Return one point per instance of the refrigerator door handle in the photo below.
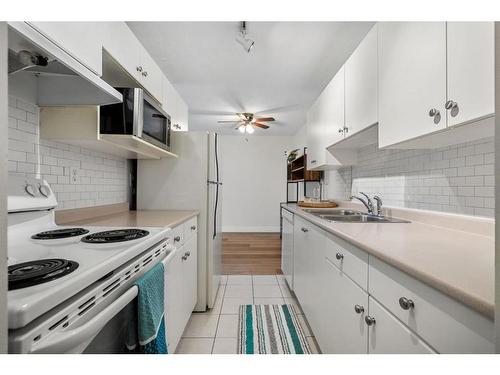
(214, 182)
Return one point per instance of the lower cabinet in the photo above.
(181, 287)
(345, 306)
(356, 303)
(386, 334)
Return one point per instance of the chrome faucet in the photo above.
(367, 203)
(379, 205)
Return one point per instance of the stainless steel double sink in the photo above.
(351, 216)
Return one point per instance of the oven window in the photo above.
(155, 124)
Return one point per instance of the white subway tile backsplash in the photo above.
(458, 178)
(103, 178)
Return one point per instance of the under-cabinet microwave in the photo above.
(137, 115)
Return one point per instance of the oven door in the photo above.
(155, 126)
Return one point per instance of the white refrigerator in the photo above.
(190, 182)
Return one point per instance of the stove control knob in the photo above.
(44, 190)
(30, 190)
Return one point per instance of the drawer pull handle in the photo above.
(305, 230)
(187, 253)
(370, 321)
(339, 256)
(406, 304)
(193, 227)
(359, 309)
(184, 257)
(177, 238)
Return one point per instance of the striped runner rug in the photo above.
(270, 329)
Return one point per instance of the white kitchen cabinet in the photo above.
(412, 79)
(387, 335)
(287, 246)
(345, 304)
(175, 106)
(325, 123)
(471, 71)
(181, 283)
(361, 86)
(308, 253)
(82, 40)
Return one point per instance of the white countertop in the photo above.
(457, 262)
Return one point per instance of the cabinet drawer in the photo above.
(348, 258)
(447, 325)
(190, 228)
(178, 235)
(389, 336)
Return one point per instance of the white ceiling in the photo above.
(285, 72)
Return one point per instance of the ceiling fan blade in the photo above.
(264, 119)
(228, 121)
(241, 116)
(259, 125)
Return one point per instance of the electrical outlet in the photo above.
(74, 175)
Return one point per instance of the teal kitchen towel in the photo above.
(146, 329)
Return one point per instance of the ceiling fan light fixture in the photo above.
(242, 39)
(241, 128)
(249, 129)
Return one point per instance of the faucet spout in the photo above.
(367, 204)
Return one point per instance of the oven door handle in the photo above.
(77, 339)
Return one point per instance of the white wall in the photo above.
(253, 174)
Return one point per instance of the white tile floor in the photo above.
(216, 331)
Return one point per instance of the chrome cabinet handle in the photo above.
(450, 104)
(339, 256)
(187, 253)
(346, 129)
(305, 230)
(193, 227)
(184, 257)
(406, 304)
(313, 161)
(341, 130)
(144, 74)
(177, 238)
(369, 320)
(433, 112)
(176, 126)
(139, 68)
(359, 309)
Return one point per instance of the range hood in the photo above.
(62, 80)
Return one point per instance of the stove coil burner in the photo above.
(119, 235)
(59, 233)
(36, 272)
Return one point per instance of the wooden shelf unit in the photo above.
(297, 173)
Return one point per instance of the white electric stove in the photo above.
(54, 271)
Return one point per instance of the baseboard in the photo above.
(245, 229)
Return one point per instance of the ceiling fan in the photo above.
(247, 122)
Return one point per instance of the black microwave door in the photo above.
(155, 125)
(118, 118)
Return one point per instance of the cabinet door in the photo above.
(175, 106)
(307, 264)
(389, 336)
(151, 76)
(412, 79)
(313, 133)
(82, 40)
(287, 249)
(343, 329)
(471, 71)
(190, 275)
(121, 43)
(332, 112)
(361, 85)
(175, 319)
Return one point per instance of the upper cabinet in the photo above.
(412, 79)
(471, 71)
(434, 76)
(325, 123)
(82, 40)
(361, 86)
(175, 106)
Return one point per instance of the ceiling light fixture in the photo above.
(246, 128)
(242, 39)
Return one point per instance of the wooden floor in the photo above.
(251, 254)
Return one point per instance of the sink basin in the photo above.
(332, 211)
(351, 216)
(362, 218)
